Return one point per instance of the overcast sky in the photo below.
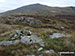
(12, 4)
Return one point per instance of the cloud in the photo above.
(2, 1)
(60, 3)
(13, 4)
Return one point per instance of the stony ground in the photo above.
(51, 46)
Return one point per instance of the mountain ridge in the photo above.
(39, 9)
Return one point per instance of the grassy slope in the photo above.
(60, 44)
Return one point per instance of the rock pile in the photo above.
(23, 36)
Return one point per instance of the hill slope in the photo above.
(39, 9)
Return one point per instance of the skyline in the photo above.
(6, 5)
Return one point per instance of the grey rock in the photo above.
(40, 49)
(30, 32)
(14, 37)
(29, 19)
(62, 28)
(30, 55)
(36, 39)
(20, 19)
(41, 55)
(49, 51)
(6, 43)
(31, 39)
(16, 42)
(33, 21)
(18, 32)
(21, 36)
(41, 44)
(58, 35)
(25, 40)
(9, 42)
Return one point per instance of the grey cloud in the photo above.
(12, 4)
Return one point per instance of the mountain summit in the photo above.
(32, 7)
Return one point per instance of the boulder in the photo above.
(9, 42)
(29, 19)
(58, 35)
(41, 55)
(31, 39)
(40, 49)
(30, 55)
(20, 19)
(33, 21)
(25, 40)
(51, 51)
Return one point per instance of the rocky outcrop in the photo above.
(58, 35)
(23, 36)
(33, 21)
(9, 42)
(20, 19)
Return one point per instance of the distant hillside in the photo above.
(41, 10)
